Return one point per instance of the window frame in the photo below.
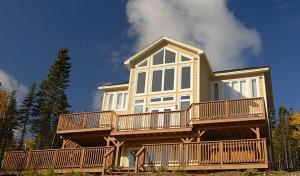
(185, 55)
(180, 100)
(145, 60)
(164, 59)
(239, 80)
(115, 100)
(191, 77)
(161, 100)
(136, 82)
(163, 80)
(134, 104)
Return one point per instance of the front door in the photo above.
(131, 157)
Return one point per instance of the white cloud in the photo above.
(207, 24)
(9, 83)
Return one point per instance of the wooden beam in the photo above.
(200, 134)
(256, 131)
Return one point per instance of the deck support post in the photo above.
(256, 131)
(118, 145)
(107, 139)
(200, 134)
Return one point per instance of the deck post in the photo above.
(221, 152)
(82, 157)
(118, 144)
(28, 159)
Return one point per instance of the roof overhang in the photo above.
(242, 71)
(113, 87)
(128, 62)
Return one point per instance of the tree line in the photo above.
(37, 116)
(286, 139)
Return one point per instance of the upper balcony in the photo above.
(222, 111)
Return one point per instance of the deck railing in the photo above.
(86, 120)
(211, 110)
(222, 109)
(215, 152)
(91, 157)
(153, 120)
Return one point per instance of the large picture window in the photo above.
(163, 80)
(164, 57)
(141, 82)
(186, 77)
(117, 101)
(185, 101)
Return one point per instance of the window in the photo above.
(138, 106)
(238, 88)
(111, 99)
(119, 100)
(143, 63)
(124, 101)
(168, 98)
(141, 82)
(184, 59)
(243, 89)
(155, 100)
(169, 56)
(185, 101)
(227, 90)
(164, 57)
(216, 91)
(163, 80)
(186, 77)
(253, 88)
(158, 58)
(169, 79)
(157, 81)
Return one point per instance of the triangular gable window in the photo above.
(143, 64)
(184, 59)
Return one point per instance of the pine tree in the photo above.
(26, 114)
(7, 140)
(52, 101)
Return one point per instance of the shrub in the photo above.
(28, 172)
(160, 170)
(250, 172)
(280, 173)
(180, 171)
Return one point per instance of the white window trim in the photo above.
(164, 64)
(181, 95)
(191, 77)
(114, 102)
(185, 55)
(161, 100)
(144, 104)
(163, 80)
(248, 88)
(143, 67)
(136, 81)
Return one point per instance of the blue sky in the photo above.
(101, 34)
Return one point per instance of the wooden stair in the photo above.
(122, 171)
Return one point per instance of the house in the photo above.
(174, 111)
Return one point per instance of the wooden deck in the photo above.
(92, 159)
(223, 111)
(212, 155)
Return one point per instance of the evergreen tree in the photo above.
(26, 114)
(7, 140)
(52, 101)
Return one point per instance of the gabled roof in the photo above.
(159, 41)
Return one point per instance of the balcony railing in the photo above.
(154, 120)
(203, 153)
(86, 120)
(92, 157)
(200, 112)
(224, 109)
